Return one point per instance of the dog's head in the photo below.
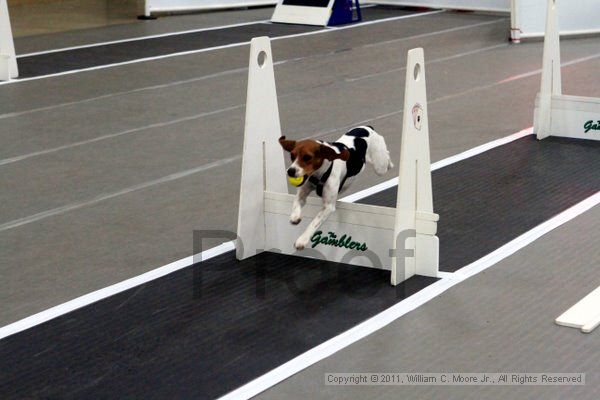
(308, 156)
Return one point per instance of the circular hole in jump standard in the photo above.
(262, 58)
(417, 72)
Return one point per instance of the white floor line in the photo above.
(126, 92)
(241, 70)
(211, 113)
(185, 53)
(108, 291)
(22, 157)
(429, 62)
(539, 71)
(448, 30)
(384, 318)
(528, 237)
(85, 300)
(106, 196)
(139, 38)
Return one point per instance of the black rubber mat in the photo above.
(208, 329)
(181, 337)
(488, 200)
(76, 59)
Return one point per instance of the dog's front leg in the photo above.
(299, 202)
(329, 199)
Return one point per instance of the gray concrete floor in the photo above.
(108, 172)
(500, 320)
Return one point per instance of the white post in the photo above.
(515, 22)
(415, 218)
(263, 165)
(551, 80)
(8, 59)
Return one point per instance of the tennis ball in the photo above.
(296, 181)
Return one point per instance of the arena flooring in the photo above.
(110, 170)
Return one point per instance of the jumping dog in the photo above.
(329, 168)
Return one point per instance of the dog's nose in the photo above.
(291, 172)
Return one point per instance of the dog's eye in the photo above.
(293, 157)
(306, 158)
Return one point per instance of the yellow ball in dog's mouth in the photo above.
(296, 181)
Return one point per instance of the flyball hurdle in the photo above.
(557, 114)
(401, 239)
(8, 60)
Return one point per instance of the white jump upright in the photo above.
(414, 204)
(356, 234)
(262, 158)
(557, 114)
(8, 59)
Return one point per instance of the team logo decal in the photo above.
(332, 240)
(591, 126)
(417, 114)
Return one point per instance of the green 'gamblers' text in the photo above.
(332, 240)
(591, 126)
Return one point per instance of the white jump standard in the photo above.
(557, 114)
(8, 60)
(400, 239)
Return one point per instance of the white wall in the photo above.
(575, 17)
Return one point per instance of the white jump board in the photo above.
(359, 223)
(573, 116)
(584, 315)
(315, 12)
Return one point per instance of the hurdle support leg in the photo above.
(416, 223)
(8, 60)
(551, 78)
(263, 166)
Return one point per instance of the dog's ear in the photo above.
(330, 154)
(288, 145)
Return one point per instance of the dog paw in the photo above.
(295, 220)
(301, 243)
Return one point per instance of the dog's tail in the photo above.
(378, 154)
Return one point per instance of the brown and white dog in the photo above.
(329, 168)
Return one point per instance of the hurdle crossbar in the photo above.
(8, 59)
(557, 114)
(400, 239)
